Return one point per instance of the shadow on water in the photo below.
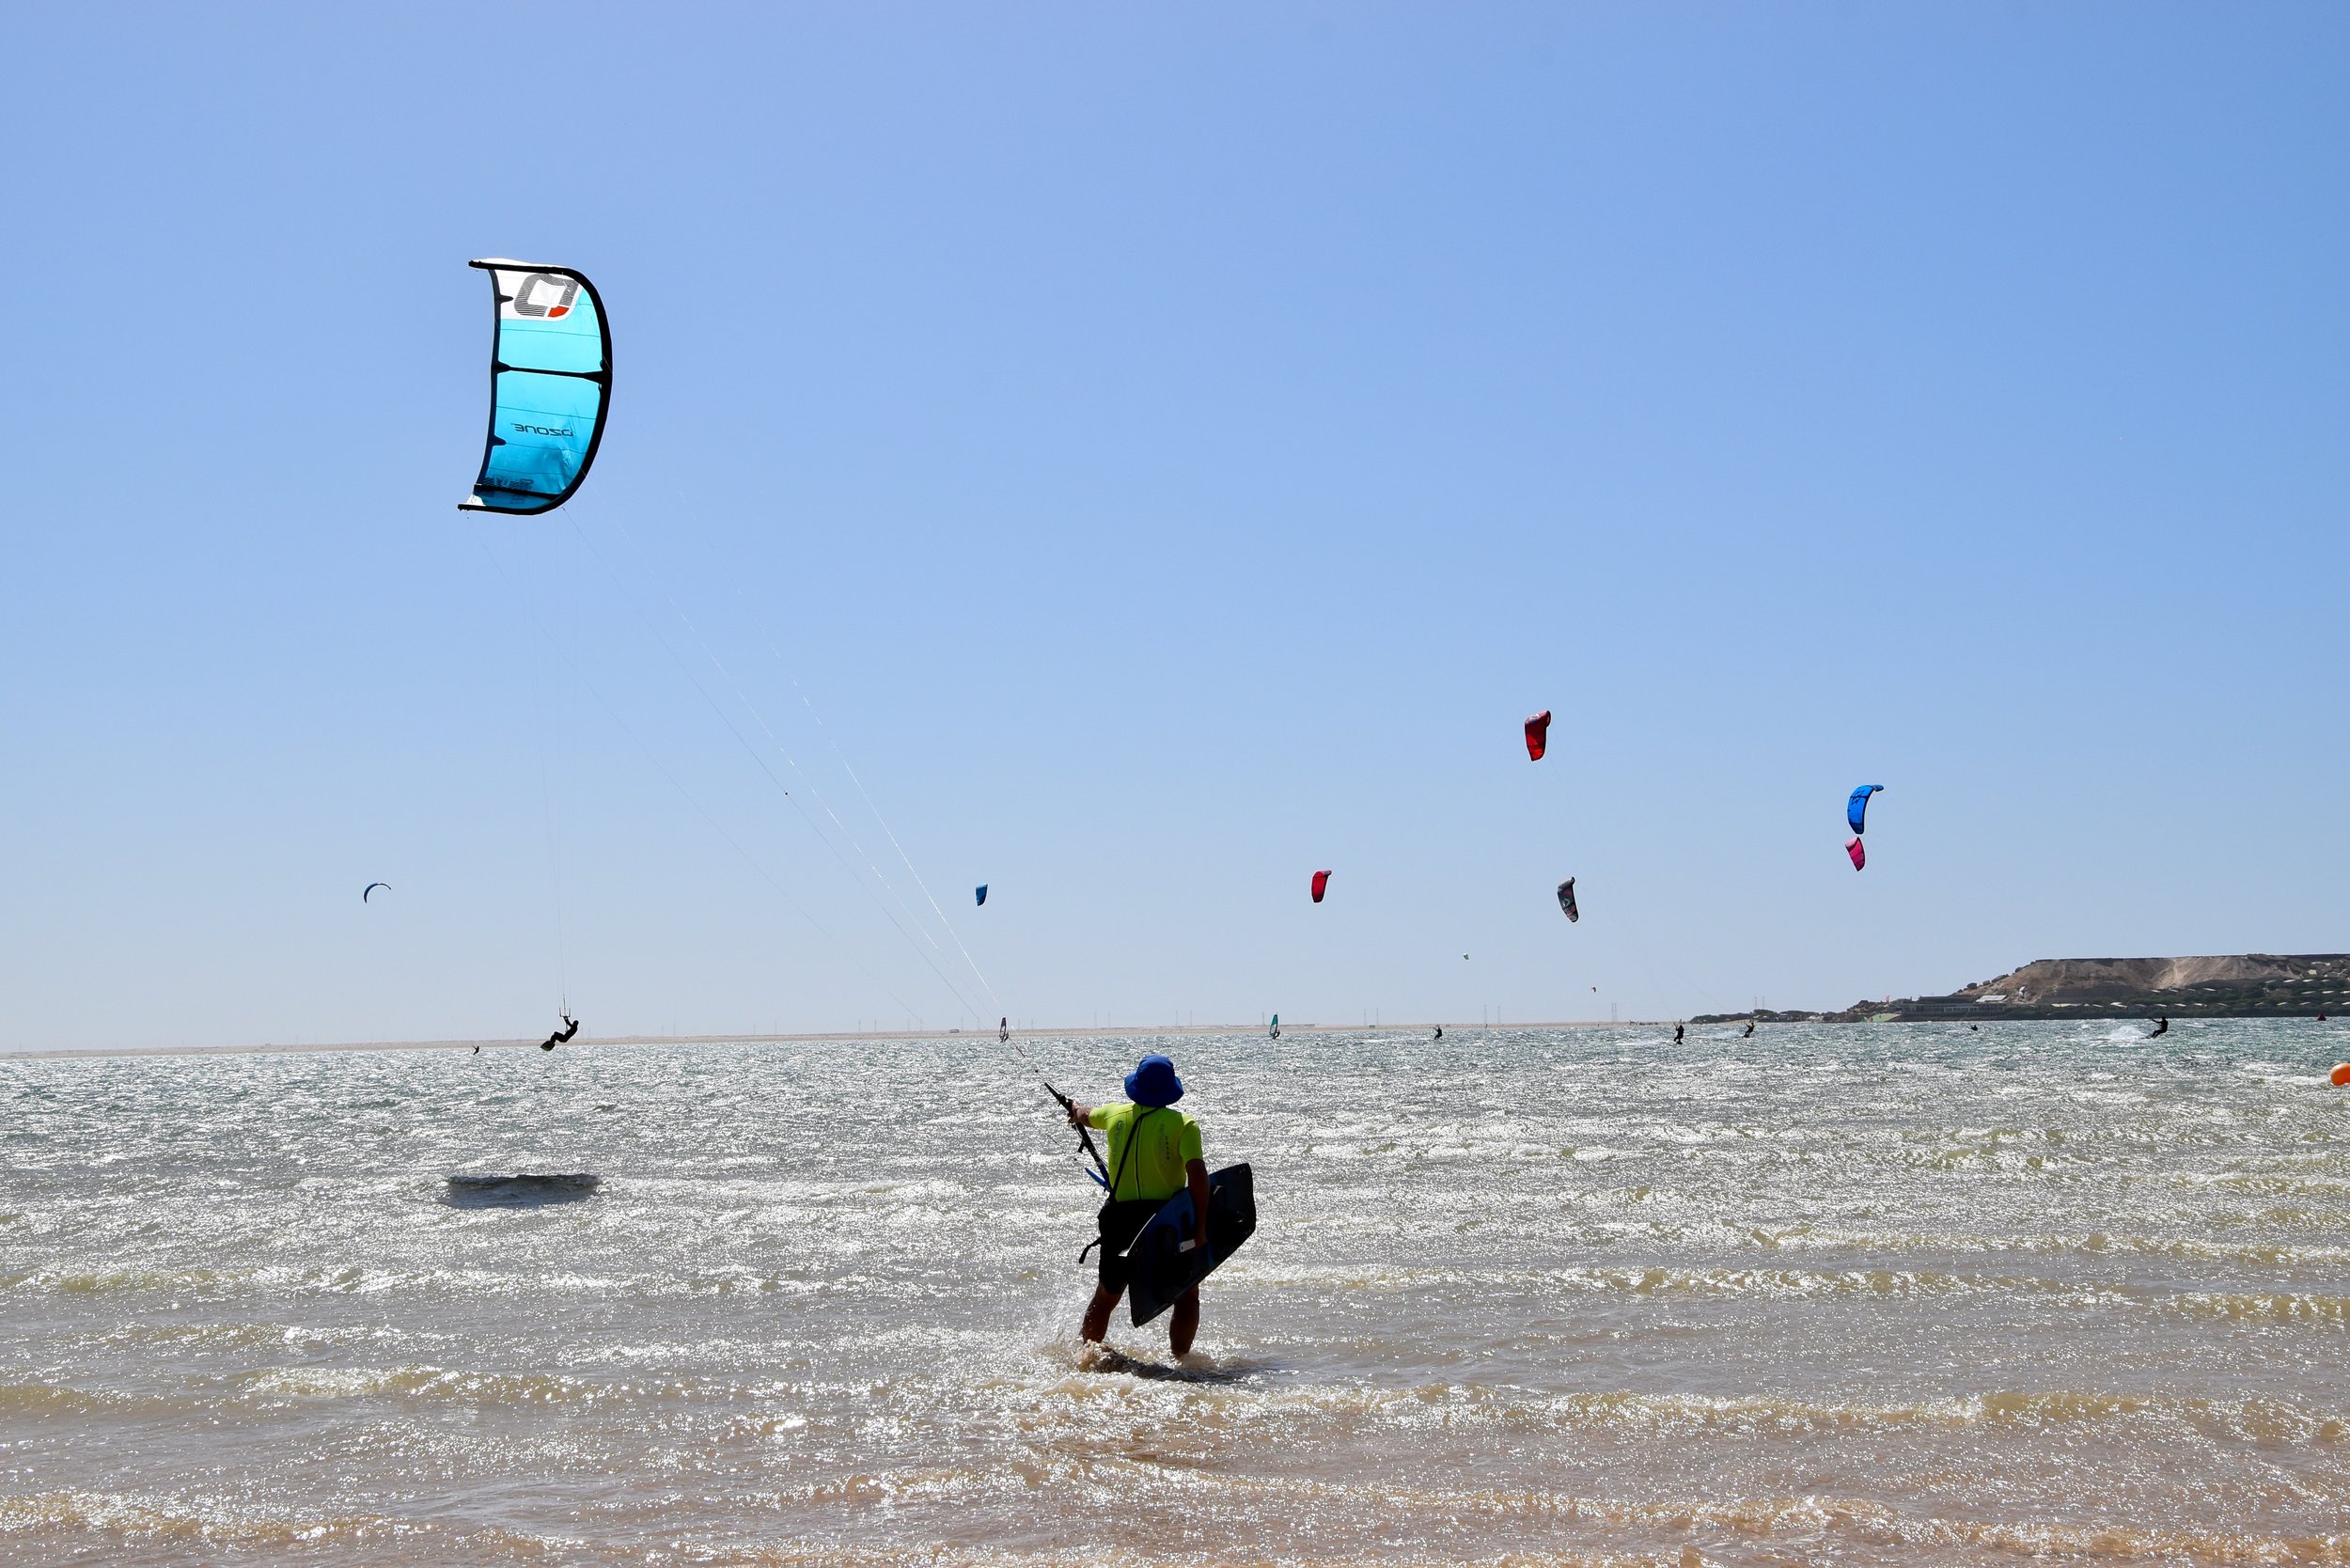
(1197, 1369)
(521, 1190)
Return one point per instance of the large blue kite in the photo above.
(550, 380)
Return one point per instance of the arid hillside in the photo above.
(2077, 980)
(2226, 985)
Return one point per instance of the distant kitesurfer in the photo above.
(561, 1036)
(1440, 1029)
(1749, 1034)
(2162, 1025)
(1155, 1154)
(1677, 1030)
(1003, 1032)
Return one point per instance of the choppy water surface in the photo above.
(1832, 1295)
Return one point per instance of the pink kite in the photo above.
(1859, 856)
(1321, 883)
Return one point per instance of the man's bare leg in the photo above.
(1185, 1324)
(1097, 1325)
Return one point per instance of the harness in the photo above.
(1134, 1133)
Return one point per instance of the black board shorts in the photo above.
(1122, 1220)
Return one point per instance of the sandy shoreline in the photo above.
(1071, 1032)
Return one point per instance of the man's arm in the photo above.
(1196, 1175)
(1079, 1115)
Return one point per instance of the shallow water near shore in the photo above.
(1833, 1294)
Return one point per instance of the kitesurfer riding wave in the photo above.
(1155, 1154)
(2162, 1025)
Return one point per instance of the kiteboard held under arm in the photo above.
(1163, 1262)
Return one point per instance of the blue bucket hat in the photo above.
(1154, 1082)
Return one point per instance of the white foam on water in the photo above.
(1527, 1295)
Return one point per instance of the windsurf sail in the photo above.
(1321, 884)
(1857, 808)
(550, 380)
(1537, 735)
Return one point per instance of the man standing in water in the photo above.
(1155, 1154)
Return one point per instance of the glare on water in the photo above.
(1831, 1293)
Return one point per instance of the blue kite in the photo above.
(550, 380)
(1857, 808)
(981, 890)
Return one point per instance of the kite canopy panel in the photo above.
(1537, 735)
(1857, 808)
(550, 379)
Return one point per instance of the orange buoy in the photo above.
(2342, 1075)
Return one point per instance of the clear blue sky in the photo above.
(1173, 448)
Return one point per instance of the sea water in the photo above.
(1848, 1293)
